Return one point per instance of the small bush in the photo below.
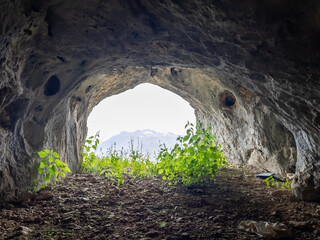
(194, 160)
(270, 181)
(51, 167)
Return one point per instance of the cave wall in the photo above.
(251, 69)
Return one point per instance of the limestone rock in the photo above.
(250, 68)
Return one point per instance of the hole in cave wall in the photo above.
(227, 99)
(52, 86)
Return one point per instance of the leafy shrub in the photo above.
(115, 167)
(195, 159)
(270, 181)
(90, 162)
(51, 167)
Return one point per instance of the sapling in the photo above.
(51, 167)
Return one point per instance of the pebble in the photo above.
(298, 224)
(25, 230)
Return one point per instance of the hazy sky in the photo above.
(145, 107)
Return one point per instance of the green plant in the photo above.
(270, 181)
(135, 153)
(163, 224)
(286, 184)
(51, 167)
(115, 165)
(89, 157)
(195, 159)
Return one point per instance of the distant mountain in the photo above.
(146, 141)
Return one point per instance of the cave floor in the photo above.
(85, 206)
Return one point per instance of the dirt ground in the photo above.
(87, 206)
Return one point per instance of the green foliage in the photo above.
(90, 163)
(135, 153)
(270, 181)
(194, 160)
(114, 165)
(117, 167)
(163, 224)
(51, 167)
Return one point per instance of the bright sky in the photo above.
(147, 106)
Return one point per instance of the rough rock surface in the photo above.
(252, 69)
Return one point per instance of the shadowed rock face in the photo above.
(250, 68)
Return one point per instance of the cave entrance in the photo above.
(141, 118)
(248, 132)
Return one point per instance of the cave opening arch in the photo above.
(146, 115)
(247, 130)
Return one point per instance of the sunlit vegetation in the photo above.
(194, 160)
(51, 168)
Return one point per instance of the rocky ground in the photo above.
(86, 206)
